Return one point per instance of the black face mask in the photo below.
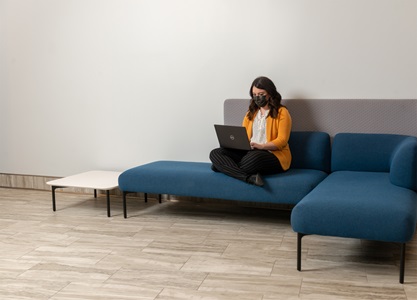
(260, 101)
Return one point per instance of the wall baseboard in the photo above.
(25, 181)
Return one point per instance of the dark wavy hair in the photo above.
(274, 102)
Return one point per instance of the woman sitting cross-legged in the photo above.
(268, 125)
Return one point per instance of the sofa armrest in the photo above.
(403, 168)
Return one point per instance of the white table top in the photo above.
(99, 180)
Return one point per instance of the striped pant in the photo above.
(241, 164)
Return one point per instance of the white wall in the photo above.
(93, 84)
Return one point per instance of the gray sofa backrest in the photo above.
(340, 115)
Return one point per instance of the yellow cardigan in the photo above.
(278, 132)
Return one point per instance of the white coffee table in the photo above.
(96, 180)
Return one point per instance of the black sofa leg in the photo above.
(124, 204)
(159, 197)
(299, 237)
(402, 256)
(402, 262)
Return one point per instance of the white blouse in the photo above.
(259, 128)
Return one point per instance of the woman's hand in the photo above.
(266, 146)
(257, 146)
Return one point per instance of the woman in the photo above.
(268, 124)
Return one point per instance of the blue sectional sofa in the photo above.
(362, 185)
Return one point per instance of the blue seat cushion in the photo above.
(196, 179)
(364, 205)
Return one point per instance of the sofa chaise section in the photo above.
(370, 193)
(311, 164)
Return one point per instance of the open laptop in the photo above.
(233, 137)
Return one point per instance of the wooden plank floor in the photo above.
(181, 250)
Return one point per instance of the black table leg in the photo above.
(108, 203)
(53, 197)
